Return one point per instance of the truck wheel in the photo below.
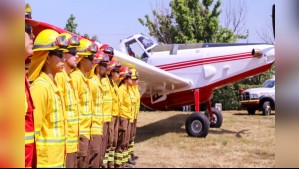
(266, 108)
(251, 111)
(217, 116)
(197, 125)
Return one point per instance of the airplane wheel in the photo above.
(197, 125)
(217, 123)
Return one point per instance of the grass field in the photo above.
(242, 141)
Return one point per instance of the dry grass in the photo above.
(242, 141)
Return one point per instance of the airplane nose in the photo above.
(269, 55)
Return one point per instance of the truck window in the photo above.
(269, 84)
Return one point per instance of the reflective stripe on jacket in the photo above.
(97, 119)
(133, 102)
(49, 122)
(137, 95)
(115, 107)
(72, 110)
(81, 85)
(125, 102)
(107, 98)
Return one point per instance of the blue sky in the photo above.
(113, 20)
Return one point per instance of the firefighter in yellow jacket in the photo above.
(132, 119)
(49, 116)
(96, 157)
(64, 81)
(125, 116)
(107, 109)
(86, 53)
(135, 90)
(113, 74)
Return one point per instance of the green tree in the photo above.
(161, 27)
(71, 25)
(228, 96)
(190, 21)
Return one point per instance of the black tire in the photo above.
(197, 125)
(251, 111)
(266, 108)
(218, 118)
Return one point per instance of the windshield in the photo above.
(269, 84)
(145, 42)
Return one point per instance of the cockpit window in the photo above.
(146, 42)
(134, 49)
(269, 84)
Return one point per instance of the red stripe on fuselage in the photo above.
(186, 64)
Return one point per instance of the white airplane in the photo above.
(174, 75)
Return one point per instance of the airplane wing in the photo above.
(153, 82)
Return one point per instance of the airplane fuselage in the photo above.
(207, 68)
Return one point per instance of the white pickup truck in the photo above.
(262, 99)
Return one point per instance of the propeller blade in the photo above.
(273, 19)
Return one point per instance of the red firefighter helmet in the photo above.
(108, 50)
(104, 61)
(124, 72)
(114, 65)
(98, 56)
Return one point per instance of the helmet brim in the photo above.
(49, 49)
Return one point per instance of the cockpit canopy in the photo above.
(137, 46)
(146, 42)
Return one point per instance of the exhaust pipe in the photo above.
(257, 53)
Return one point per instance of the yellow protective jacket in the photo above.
(97, 118)
(115, 109)
(49, 123)
(107, 98)
(137, 95)
(71, 110)
(81, 85)
(133, 102)
(125, 102)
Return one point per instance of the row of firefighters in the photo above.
(81, 105)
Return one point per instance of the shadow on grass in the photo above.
(224, 131)
(172, 124)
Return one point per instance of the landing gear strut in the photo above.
(197, 124)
